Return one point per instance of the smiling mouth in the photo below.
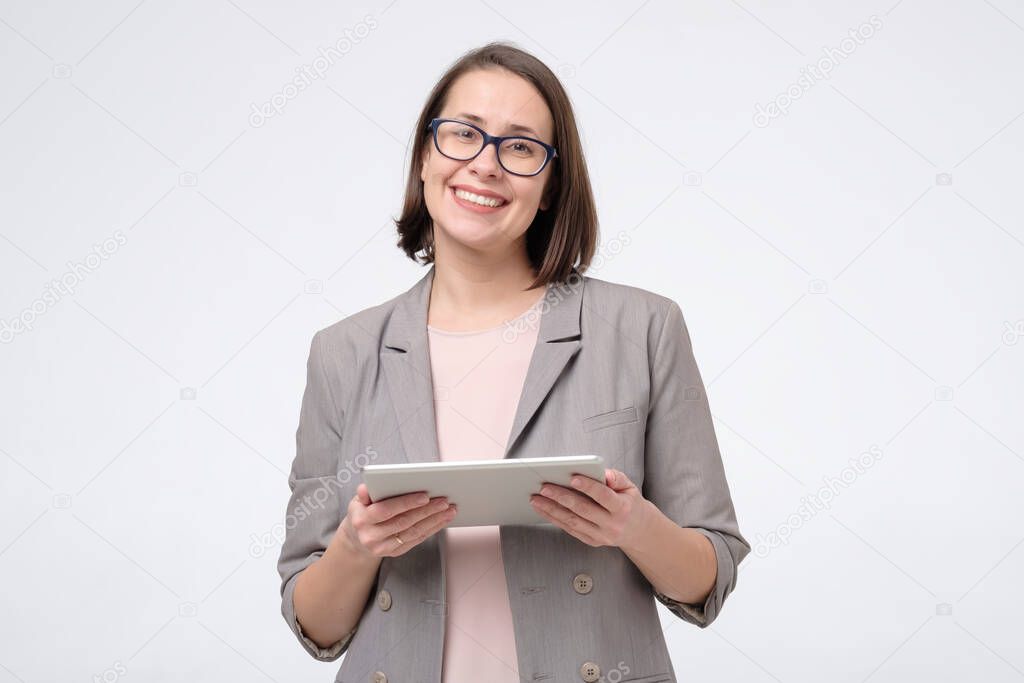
(476, 200)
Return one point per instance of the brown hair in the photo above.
(558, 236)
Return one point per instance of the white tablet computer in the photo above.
(485, 492)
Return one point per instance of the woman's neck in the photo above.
(468, 297)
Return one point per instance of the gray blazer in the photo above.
(612, 373)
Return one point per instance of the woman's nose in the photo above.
(486, 161)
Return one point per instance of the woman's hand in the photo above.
(596, 513)
(371, 528)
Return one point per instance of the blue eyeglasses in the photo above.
(517, 154)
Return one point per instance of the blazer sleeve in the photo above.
(683, 471)
(314, 507)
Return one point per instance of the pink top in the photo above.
(478, 377)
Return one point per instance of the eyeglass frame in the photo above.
(496, 140)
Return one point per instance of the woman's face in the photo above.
(501, 99)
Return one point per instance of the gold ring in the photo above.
(399, 539)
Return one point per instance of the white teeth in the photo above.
(477, 199)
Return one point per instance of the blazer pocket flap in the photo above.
(608, 419)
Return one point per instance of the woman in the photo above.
(504, 349)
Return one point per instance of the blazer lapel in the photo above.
(405, 356)
(406, 360)
(558, 340)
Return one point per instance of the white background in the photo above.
(841, 293)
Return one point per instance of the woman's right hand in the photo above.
(370, 528)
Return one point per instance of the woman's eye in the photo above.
(521, 148)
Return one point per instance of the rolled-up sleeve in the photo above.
(684, 475)
(315, 504)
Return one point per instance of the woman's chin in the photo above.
(474, 234)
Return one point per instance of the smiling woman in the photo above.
(504, 349)
(500, 90)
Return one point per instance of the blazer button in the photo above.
(384, 602)
(590, 672)
(378, 677)
(582, 583)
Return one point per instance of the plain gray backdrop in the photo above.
(832, 194)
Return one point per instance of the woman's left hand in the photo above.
(598, 514)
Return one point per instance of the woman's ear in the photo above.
(424, 158)
(549, 193)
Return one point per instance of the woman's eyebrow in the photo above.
(517, 127)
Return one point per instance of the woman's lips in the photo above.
(471, 206)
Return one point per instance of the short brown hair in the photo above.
(558, 236)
